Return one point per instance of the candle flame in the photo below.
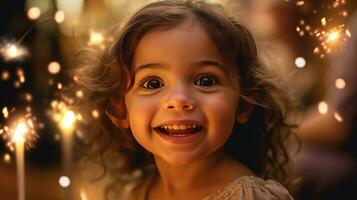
(19, 133)
(68, 120)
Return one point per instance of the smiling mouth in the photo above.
(178, 130)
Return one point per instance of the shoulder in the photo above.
(251, 188)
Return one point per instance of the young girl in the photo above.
(190, 112)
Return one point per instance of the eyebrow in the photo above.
(202, 63)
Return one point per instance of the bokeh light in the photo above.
(323, 107)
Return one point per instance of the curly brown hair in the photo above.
(108, 75)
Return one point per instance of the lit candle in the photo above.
(67, 126)
(66, 119)
(19, 140)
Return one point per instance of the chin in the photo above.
(178, 160)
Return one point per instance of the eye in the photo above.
(151, 83)
(206, 80)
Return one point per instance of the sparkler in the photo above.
(331, 35)
(11, 51)
(21, 135)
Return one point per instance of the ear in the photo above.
(117, 113)
(245, 110)
(124, 122)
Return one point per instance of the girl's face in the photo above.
(183, 103)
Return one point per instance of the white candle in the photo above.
(19, 139)
(20, 163)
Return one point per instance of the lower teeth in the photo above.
(178, 135)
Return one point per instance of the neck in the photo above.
(176, 179)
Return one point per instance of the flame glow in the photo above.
(21, 130)
(12, 52)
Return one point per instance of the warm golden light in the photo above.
(68, 120)
(7, 158)
(338, 117)
(323, 107)
(5, 112)
(83, 195)
(95, 38)
(59, 16)
(79, 94)
(340, 83)
(333, 36)
(300, 3)
(95, 114)
(64, 181)
(12, 52)
(5, 75)
(20, 132)
(348, 33)
(21, 75)
(34, 13)
(54, 67)
(300, 62)
(59, 86)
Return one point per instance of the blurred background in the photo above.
(310, 43)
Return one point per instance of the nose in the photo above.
(179, 99)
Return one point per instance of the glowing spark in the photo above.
(54, 104)
(316, 50)
(20, 74)
(95, 39)
(300, 62)
(5, 75)
(333, 36)
(22, 130)
(323, 21)
(59, 16)
(75, 78)
(5, 112)
(348, 33)
(79, 117)
(64, 181)
(79, 94)
(340, 83)
(344, 13)
(17, 84)
(12, 52)
(83, 195)
(338, 117)
(34, 13)
(300, 3)
(28, 97)
(59, 86)
(323, 107)
(95, 114)
(7, 158)
(54, 67)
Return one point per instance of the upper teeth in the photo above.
(179, 127)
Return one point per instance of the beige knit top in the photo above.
(251, 188)
(245, 188)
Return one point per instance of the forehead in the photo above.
(186, 43)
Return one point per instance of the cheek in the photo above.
(140, 111)
(220, 111)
